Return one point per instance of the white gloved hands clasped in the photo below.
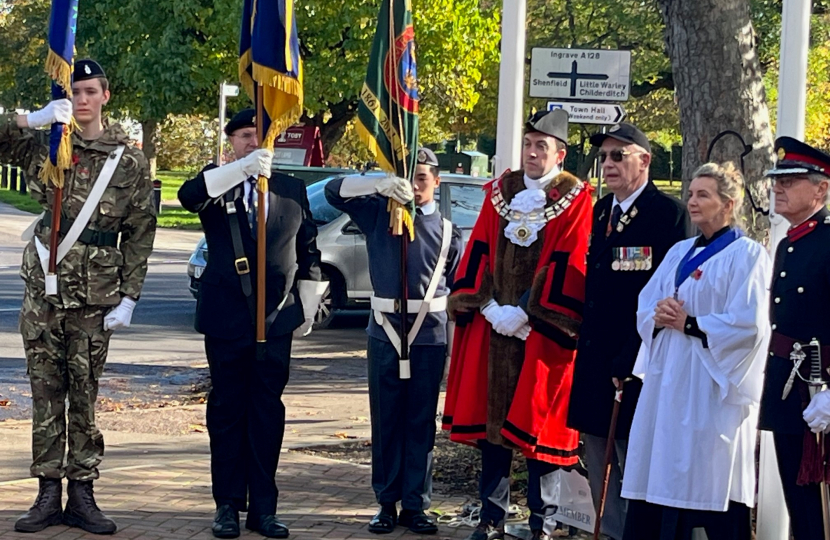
(508, 321)
(310, 294)
(817, 413)
(395, 188)
(121, 315)
(59, 111)
(222, 179)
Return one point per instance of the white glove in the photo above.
(817, 413)
(395, 188)
(492, 312)
(56, 111)
(310, 294)
(511, 321)
(523, 333)
(121, 315)
(221, 179)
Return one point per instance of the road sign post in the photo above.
(580, 74)
(606, 114)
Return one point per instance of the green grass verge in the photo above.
(20, 201)
(171, 181)
(176, 217)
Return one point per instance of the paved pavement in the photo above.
(155, 477)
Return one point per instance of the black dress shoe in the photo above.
(385, 520)
(417, 522)
(226, 522)
(268, 526)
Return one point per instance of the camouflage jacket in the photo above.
(89, 275)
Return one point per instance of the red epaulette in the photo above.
(797, 233)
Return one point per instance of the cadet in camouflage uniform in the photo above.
(66, 336)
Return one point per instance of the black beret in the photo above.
(243, 119)
(627, 133)
(427, 157)
(796, 157)
(553, 123)
(87, 69)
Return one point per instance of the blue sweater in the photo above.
(370, 215)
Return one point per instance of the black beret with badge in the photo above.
(624, 132)
(553, 123)
(427, 157)
(797, 158)
(87, 69)
(243, 119)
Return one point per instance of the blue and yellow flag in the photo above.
(387, 114)
(269, 61)
(63, 23)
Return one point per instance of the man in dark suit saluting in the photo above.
(245, 413)
(634, 226)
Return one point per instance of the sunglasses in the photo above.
(615, 155)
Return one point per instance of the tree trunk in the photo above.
(717, 77)
(148, 143)
(332, 125)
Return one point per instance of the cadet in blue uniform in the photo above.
(403, 409)
(245, 413)
(800, 295)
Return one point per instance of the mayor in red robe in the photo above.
(524, 263)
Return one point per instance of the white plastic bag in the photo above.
(572, 500)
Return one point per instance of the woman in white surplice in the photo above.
(703, 320)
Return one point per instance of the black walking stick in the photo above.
(609, 455)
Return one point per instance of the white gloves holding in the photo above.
(388, 186)
(508, 321)
(817, 413)
(56, 111)
(121, 315)
(226, 177)
(310, 294)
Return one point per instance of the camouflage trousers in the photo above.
(65, 354)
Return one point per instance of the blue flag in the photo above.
(63, 23)
(269, 62)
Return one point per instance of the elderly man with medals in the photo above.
(796, 406)
(517, 301)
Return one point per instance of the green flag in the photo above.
(387, 115)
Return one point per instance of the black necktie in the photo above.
(419, 212)
(616, 214)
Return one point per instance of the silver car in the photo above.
(345, 262)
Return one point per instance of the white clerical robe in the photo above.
(692, 441)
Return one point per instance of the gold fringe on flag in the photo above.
(59, 71)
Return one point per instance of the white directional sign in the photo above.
(590, 113)
(580, 74)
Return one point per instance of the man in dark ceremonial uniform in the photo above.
(245, 413)
(800, 296)
(634, 227)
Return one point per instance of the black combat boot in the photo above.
(82, 512)
(47, 508)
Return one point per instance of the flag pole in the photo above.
(262, 189)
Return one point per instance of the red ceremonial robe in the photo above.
(512, 392)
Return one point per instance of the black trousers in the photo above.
(647, 521)
(246, 421)
(803, 502)
(494, 487)
(403, 422)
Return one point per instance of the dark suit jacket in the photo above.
(291, 255)
(608, 338)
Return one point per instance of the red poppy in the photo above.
(697, 273)
(75, 159)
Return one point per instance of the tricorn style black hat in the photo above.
(427, 157)
(624, 132)
(796, 157)
(553, 123)
(243, 119)
(87, 69)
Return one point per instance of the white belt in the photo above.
(390, 305)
